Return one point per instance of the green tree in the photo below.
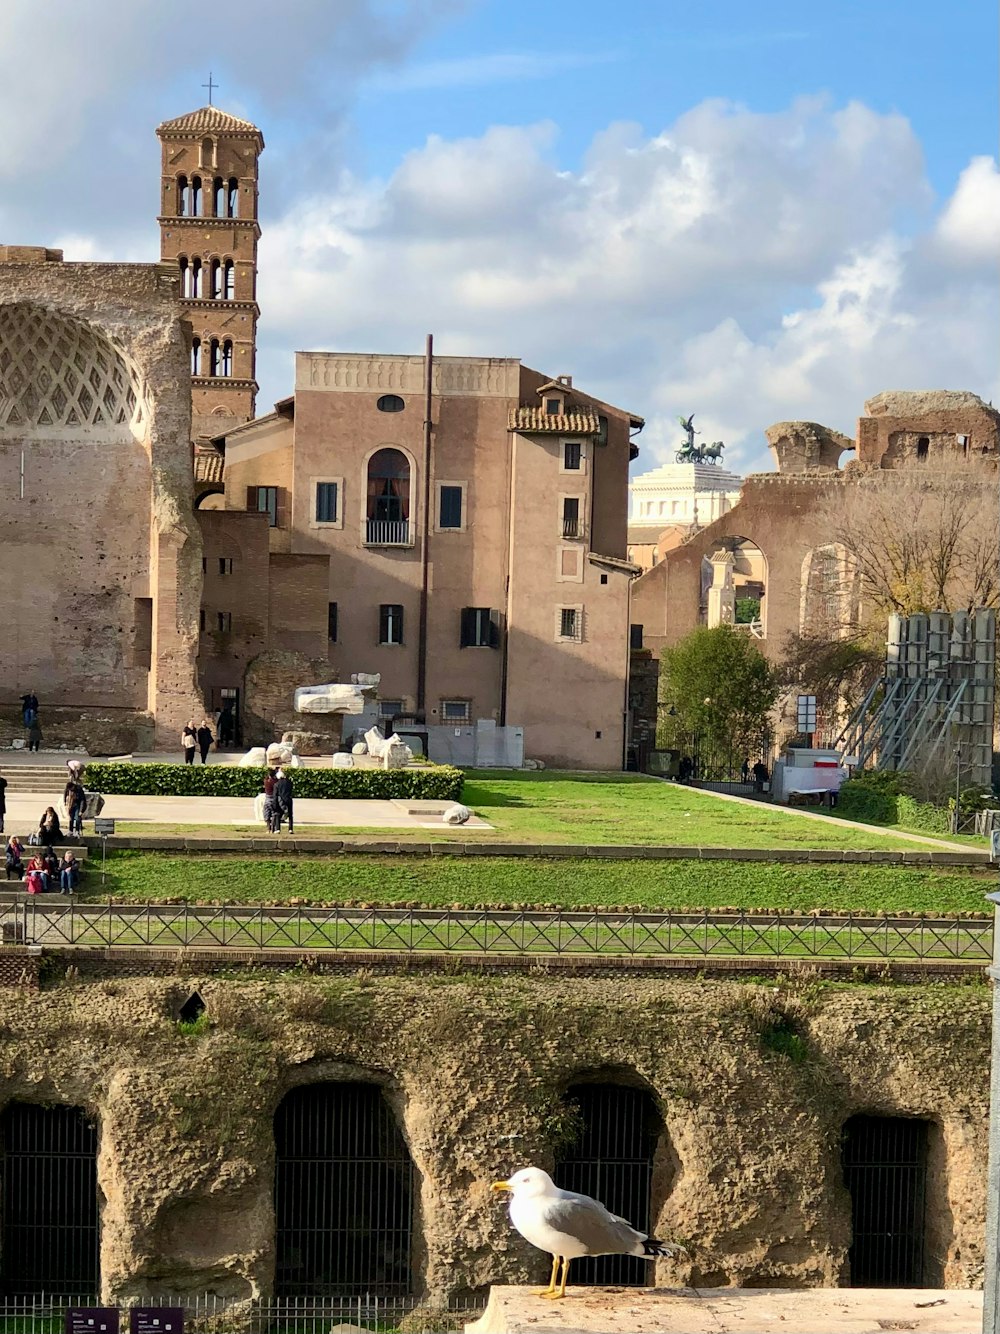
(716, 685)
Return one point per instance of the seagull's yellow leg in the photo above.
(556, 1293)
(551, 1289)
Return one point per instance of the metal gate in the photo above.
(50, 1242)
(885, 1170)
(343, 1193)
(612, 1160)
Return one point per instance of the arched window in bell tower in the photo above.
(182, 196)
(196, 202)
(194, 280)
(182, 265)
(233, 198)
(216, 283)
(196, 356)
(218, 198)
(227, 358)
(214, 358)
(228, 280)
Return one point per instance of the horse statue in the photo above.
(689, 452)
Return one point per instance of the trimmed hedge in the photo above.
(440, 783)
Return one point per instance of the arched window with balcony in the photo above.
(228, 280)
(182, 196)
(227, 357)
(195, 356)
(216, 279)
(196, 197)
(233, 198)
(214, 357)
(388, 498)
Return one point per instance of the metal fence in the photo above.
(603, 934)
(211, 1314)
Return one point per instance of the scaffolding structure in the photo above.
(936, 699)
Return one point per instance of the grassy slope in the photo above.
(567, 883)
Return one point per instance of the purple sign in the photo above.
(92, 1320)
(156, 1320)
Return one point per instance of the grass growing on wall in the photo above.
(535, 881)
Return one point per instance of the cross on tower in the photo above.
(210, 85)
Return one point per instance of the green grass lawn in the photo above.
(562, 882)
(613, 808)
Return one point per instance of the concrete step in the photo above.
(79, 850)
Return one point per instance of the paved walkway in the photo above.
(799, 813)
(24, 811)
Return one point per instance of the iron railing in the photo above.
(387, 533)
(598, 934)
(210, 1314)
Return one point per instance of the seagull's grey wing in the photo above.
(592, 1225)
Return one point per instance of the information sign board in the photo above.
(92, 1320)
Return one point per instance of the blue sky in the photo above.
(755, 212)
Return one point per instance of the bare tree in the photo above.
(919, 540)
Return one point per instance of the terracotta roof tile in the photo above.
(534, 421)
(207, 118)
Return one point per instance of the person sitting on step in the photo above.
(69, 873)
(15, 858)
(49, 831)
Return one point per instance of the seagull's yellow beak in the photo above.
(501, 1186)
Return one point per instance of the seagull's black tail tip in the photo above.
(652, 1247)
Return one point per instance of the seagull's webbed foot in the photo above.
(557, 1294)
(550, 1291)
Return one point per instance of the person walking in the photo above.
(29, 707)
(745, 770)
(269, 782)
(225, 725)
(189, 742)
(34, 733)
(205, 739)
(3, 800)
(75, 801)
(283, 804)
(760, 776)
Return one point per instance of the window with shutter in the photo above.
(265, 500)
(450, 505)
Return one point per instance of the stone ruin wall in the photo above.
(474, 1068)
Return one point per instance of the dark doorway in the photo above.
(885, 1170)
(343, 1194)
(612, 1160)
(50, 1241)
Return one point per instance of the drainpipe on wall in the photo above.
(425, 531)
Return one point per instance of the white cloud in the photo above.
(748, 267)
(969, 228)
(479, 71)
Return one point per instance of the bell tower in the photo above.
(209, 229)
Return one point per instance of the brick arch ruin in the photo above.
(96, 502)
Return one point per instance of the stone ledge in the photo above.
(731, 1311)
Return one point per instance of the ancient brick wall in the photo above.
(475, 1072)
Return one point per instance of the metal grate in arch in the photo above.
(612, 1160)
(343, 1193)
(50, 1221)
(885, 1170)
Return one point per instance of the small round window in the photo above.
(390, 403)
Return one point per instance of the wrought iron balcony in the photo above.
(572, 527)
(388, 533)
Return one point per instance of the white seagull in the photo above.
(568, 1225)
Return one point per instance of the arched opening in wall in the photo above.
(228, 280)
(183, 200)
(923, 447)
(210, 500)
(216, 279)
(885, 1165)
(214, 357)
(182, 266)
(388, 511)
(196, 355)
(218, 198)
(232, 198)
(194, 279)
(227, 357)
(612, 1159)
(734, 585)
(343, 1194)
(196, 197)
(50, 1237)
